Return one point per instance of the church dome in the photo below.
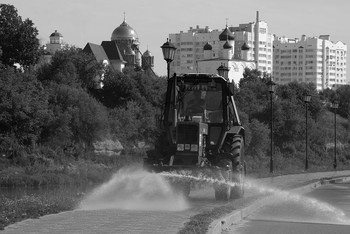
(124, 31)
(147, 54)
(227, 45)
(56, 34)
(207, 47)
(226, 35)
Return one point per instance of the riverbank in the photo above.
(32, 192)
(41, 189)
(31, 206)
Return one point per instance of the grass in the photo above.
(14, 209)
(45, 183)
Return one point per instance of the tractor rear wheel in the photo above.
(234, 146)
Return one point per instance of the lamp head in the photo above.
(168, 51)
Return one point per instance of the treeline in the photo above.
(55, 112)
(289, 124)
(58, 105)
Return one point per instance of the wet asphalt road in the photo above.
(324, 210)
(142, 221)
(118, 221)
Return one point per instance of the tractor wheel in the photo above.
(223, 190)
(234, 145)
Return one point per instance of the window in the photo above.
(262, 30)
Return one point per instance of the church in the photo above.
(122, 50)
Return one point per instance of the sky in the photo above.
(83, 21)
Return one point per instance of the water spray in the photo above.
(132, 189)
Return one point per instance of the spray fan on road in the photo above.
(204, 134)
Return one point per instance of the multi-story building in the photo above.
(224, 58)
(190, 46)
(256, 36)
(310, 59)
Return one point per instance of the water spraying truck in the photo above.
(203, 132)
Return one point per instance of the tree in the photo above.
(18, 39)
(72, 67)
(253, 93)
(259, 139)
(23, 107)
(77, 117)
(343, 97)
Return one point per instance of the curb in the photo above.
(236, 216)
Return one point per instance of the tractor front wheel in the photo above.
(236, 147)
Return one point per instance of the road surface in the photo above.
(324, 210)
(144, 220)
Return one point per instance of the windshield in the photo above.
(200, 103)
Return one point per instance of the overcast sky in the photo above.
(82, 21)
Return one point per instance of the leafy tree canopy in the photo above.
(72, 67)
(23, 106)
(18, 38)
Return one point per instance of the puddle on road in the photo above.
(134, 189)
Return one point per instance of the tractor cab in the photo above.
(199, 110)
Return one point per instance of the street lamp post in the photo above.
(307, 99)
(168, 53)
(271, 85)
(335, 106)
(223, 71)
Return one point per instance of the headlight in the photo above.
(180, 147)
(194, 148)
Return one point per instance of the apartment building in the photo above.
(254, 36)
(310, 59)
(190, 48)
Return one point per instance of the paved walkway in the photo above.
(124, 222)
